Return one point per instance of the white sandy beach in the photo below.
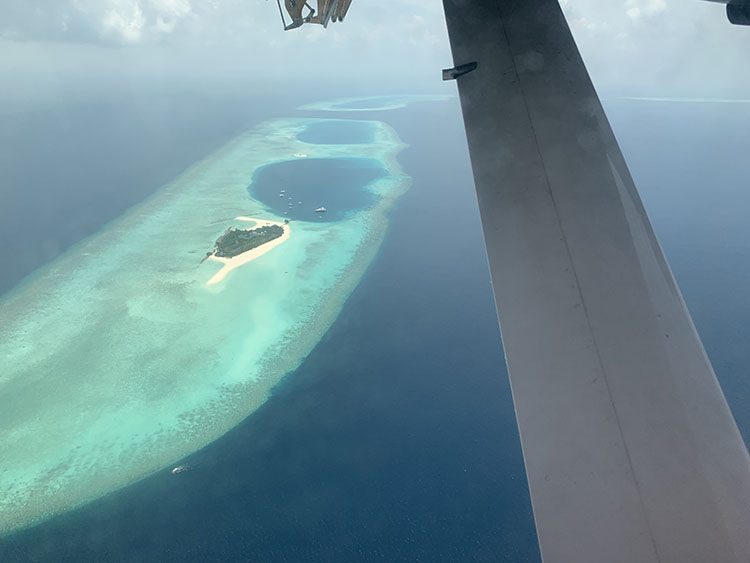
(237, 261)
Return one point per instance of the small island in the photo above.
(240, 246)
(235, 241)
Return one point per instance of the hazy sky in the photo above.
(632, 47)
(390, 42)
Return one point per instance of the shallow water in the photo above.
(394, 441)
(337, 132)
(119, 360)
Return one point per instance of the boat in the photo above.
(321, 210)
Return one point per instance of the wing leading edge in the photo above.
(631, 451)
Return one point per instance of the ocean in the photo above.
(395, 438)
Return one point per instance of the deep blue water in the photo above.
(337, 132)
(394, 441)
(69, 168)
(337, 184)
(689, 163)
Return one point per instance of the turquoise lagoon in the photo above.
(119, 360)
(337, 131)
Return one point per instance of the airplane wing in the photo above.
(631, 451)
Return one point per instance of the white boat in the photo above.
(299, 155)
(321, 210)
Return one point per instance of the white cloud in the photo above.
(163, 26)
(634, 12)
(172, 8)
(635, 9)
(229, 22)
(124, 20)
(637, 47)
(674, 46)
(135, 21)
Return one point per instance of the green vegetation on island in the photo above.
(235, 241)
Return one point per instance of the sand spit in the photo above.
(246, 257)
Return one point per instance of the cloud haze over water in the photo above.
(92, 48)
(661, 47)
(227, 21)
(636, 47)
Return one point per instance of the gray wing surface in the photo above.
(631, 451)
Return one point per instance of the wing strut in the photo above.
(631, 451)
